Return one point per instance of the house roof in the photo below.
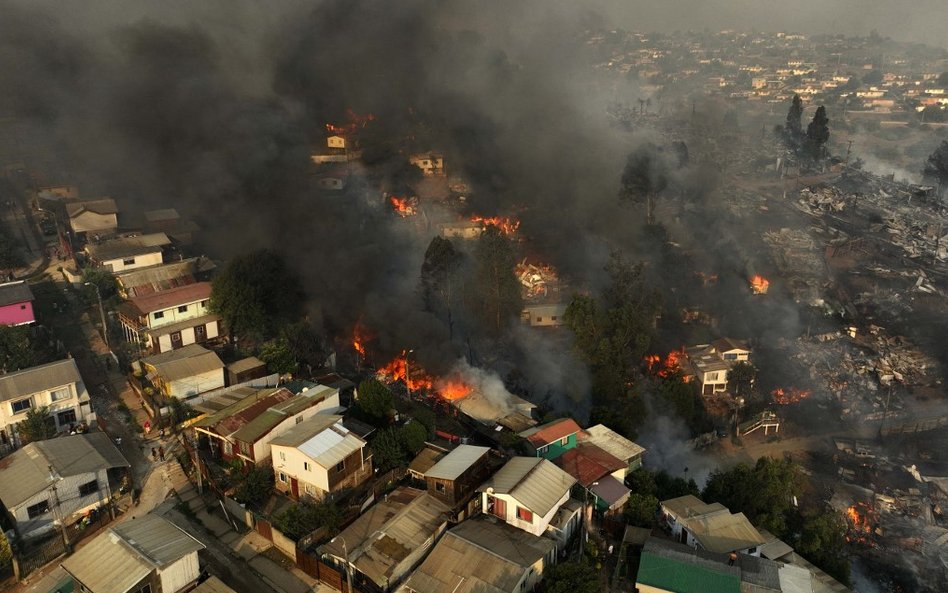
(610, 490)
(551, 432)
(773, 548)
(245, 364)
(673, 567)
(280, 411)
(161, 215)
(612, 442)
(713, 525)
(455, 463)
(705, 359)
(534, 482)
(116, 561)
(479, 556)
(141, 281)
(15, 292)
(173, 297)
(26, 471)
(128, 246)
(727, 344)
(588, 463)
(99, 206)
(322, 438)
(425, 460)
(483, 409)
(40, 378)
(182, 363)
(383, 536)
(212, 585)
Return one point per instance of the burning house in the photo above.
(710, 364)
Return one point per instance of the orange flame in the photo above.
(355, 122)
(671, 365)
(403, 206)
(452, 390)
(788, 396)
(860, 515)
(507, 226)
(399, 370)
(360, 336)
(759, 284)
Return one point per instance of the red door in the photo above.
(295, 487)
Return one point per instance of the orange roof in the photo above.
(166, 299)
(588, 463)
(551, 432)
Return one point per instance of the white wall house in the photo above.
(184, 372)
(526, 493)
(52, 482)
(129, 253)
(170, 319)
(56, 385)
(710, 527)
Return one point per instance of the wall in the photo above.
(537, 526)
(283, 543)
(187, 337)
(188, 386)
(77, 394)
(70, 504)
(180, 574)
(172, 315)
(141, 261)
(261, 449)
(556, 449)
(17, 314)
(292, 465)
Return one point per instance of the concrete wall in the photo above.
(283, 543)
(139, 261)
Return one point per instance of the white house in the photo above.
(732, 350)
(184, 372)
(52, 482)
(146, 555)
(711, 363)
(319, 456)
(526, 493)
(430, 163)
(128, 253)
(56, 385)
(170, 319)
(93, 216)
(710, 527)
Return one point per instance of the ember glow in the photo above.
(507, 226)
(399, 369)
(861, 518)
(788, 396)
(354, 123)
(453, 389)
(668, 366)
(759, 284)
(403, 206)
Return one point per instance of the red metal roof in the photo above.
(232, 424)
(173, 297)
(588, 463)
(553, 431)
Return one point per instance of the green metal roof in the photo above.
(682, 577)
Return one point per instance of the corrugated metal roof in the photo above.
(277, 412)
(245, 364)
(42, 378)
(184, 362)
(173, 297)
(551, 432)
(25, 472)
(100, 206)
(382, 537)
(128, 246)
(588, 463)
(322, 438)
(116, 560)
(15, 292)
(723, 532)
(534, 482)
(794, 579)
(456, 462)
(479, 556)
(690, 506)
(425, 460)
(611, 490)
(612, 442)
(674, 567)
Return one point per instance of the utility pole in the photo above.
(58, 511)
(105, 328)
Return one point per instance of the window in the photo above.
(542, 450)
(752, 550)
(88, 488)
(283, 477)
(524, 515)
(66, 417)
(553, 318)
(228, 448)
(204, 303)
(22, 307)
(199, 332)
(176, 338)
(145, 589)
(564, 441)
(282, 456)
(341, 465)
(21, 405)
(306, 466)
(40, 508)
(128, 261)
(59, 394)
(539, 319)
(439, 487)
(244, 448)
(712, 376)
(299, 419)
(183, 309)
(159, 314)
(730, 356)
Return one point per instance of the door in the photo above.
(295, 487)
(497, 507)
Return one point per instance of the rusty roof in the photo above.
(588, 463)
(166, 299)
(551, 432)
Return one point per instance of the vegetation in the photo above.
(99, 278)
(6, 553)
(304, 343)
(572, 577)
(937, 165)
(394, 447)
(413, 435)
(817, 134)
(254, 487)
(256, 295)
(16, 349)
(279, 356)
(37, 426)
(439, 279)
(10, 256)
(645, 176)
(306, 516)
(375, 403)
(681, 399)
(741, 377)
(794, 127)
(495, 294)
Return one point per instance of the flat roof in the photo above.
(612, 442)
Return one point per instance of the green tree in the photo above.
(822, 541)
(413, 435)
(936, 166)
(180, 411)
(278, 355)
(10, 256)
(741, 377)
(763, 492)
(668, 486)
(306, 345)
(305, 517)
(255, 487)
(439, 279)
(818, 133)
(572, 577)
(644, 177)
(641, 481)
(16, 349)
(641, 510)
(682, 399)
(6, 553)
(37, 426)
(375, 402)
(794, 127)
(496, 290)
(98, 278)
(256, 294)
(388, 450)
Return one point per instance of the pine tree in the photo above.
(794, 126)
(817, 133)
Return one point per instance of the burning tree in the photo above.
(404, 207)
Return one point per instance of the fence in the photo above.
(35, 554)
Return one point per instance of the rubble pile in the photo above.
(538, 281)
(800, 262)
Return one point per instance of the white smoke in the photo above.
(488, 384)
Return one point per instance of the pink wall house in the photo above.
(16, 304)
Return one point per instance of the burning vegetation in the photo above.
(508, 226)
(404, 207)
(669, 366)
(790, 395)
(759, 284)
(355, 123)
